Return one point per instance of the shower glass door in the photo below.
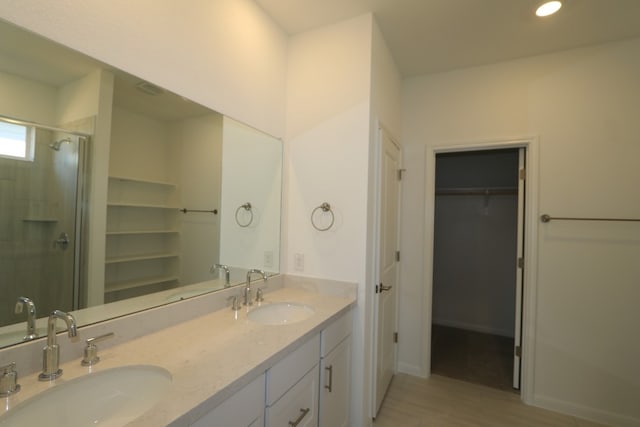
(39, 211)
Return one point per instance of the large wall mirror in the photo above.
(117, 195)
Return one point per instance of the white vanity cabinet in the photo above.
(309, 387)
(292, 388)
(335, 373)
(243, 409)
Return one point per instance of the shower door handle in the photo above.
(62, 241)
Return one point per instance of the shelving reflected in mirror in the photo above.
(123, 196)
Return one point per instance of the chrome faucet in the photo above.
(247, 288)
(227, 274)
(31, 317)
(51, 352)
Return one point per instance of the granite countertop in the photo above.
(209, 357)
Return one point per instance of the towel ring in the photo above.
(325, 207)
(247, 208)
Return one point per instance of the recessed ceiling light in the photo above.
(548, 8)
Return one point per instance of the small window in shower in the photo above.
(16, 141)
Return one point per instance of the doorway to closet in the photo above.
(477, 266)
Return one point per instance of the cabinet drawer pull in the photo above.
(330, 369)
(304, 412)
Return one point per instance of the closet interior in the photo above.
(475, 266)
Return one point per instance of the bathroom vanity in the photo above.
(225, 368)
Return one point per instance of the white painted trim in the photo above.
(376, 271)
(530, 256)
(414, 370)
(585, 412)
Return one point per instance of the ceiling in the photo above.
(428, 36)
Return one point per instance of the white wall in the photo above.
(27, 99)
(583, 106)
(327, 160)
(225, 54)
(134, 137)
(252, 173)
(474, 279)
(198, 141)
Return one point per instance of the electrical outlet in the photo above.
(268, 259)
(298, 262)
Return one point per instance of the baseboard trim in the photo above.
(585, 412)
(413, 370)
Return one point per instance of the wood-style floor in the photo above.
(445, 402)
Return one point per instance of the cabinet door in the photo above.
(335, 386)
(298, 407)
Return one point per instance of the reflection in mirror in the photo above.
(122, 196)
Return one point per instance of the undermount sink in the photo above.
(113, 397)
(280, 313)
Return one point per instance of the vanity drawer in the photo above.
(298, 406)
(284, 374)
(335, 333)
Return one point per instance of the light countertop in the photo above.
(209, 357)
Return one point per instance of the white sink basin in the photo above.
(109, 398)
(280, 313)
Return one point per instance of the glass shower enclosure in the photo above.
(41, 211)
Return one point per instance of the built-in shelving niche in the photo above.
(143, 237)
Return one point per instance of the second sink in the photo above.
(280, 313)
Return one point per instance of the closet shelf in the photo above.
(475, 191)
(140, 232)
(38, 219)
(142, 181)
(131, 284)
(146, 257)
(139, 205)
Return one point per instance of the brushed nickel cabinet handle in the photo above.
(303, 413)
(330, 369)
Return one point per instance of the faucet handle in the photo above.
(91, 350)
(235, 302)
(259, 295)
(8, 380)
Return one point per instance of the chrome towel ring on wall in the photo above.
(325, 207)
(247, 207)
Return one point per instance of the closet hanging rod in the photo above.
(185, 210)
(476, 192)
(547, 218)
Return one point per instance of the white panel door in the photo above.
(387, 268)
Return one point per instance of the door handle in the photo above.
(385, 288)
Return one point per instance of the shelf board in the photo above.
(38, 219)
(140, 232)
(133, 258)
(140, 205)
(131, 284)
(142, 181)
